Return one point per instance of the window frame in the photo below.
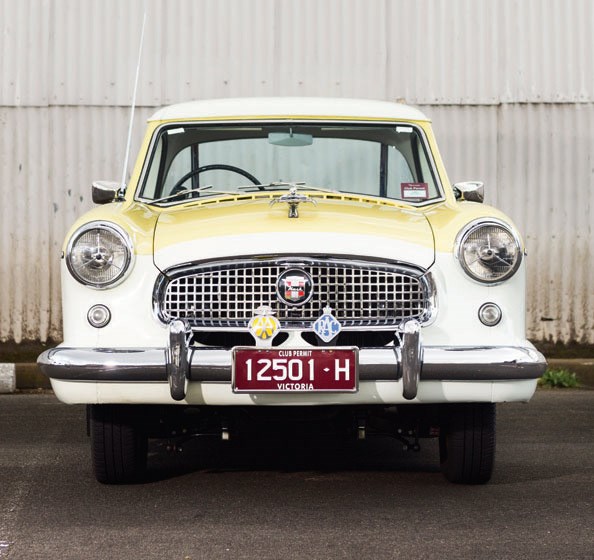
(160, 130)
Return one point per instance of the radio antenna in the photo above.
(127, 157)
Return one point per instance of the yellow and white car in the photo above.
(290, 252)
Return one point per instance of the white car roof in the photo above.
(283, 107)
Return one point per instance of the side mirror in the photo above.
(473, 191)
(105, 191)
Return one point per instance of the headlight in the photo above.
(99, 254)
(489, 251)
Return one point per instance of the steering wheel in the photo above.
(178, 187)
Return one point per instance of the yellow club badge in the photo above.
(264, 326)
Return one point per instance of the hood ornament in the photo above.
(293, 199)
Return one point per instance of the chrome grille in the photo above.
(225, 295)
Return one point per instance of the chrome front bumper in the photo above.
(411, 362)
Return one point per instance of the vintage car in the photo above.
(292, 255)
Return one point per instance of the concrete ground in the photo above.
(290, 497)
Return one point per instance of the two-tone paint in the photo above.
(341, 225)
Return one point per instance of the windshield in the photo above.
(389, 161)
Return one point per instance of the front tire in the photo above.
(119, 445)
(467, 442)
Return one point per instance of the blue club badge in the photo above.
(327, 326)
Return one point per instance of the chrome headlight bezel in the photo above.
(473, 227)
(126, 245)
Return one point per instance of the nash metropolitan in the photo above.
(292, 255)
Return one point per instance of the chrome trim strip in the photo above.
(214, 364)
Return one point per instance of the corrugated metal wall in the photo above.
(508, 83)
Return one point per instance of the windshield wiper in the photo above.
(189, 191)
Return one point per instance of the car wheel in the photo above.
(118, 444)
(467, 442)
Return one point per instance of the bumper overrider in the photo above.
(180, 363)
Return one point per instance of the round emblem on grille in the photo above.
(294, 287)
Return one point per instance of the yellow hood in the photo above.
(249, 225)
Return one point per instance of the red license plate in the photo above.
(258, 370)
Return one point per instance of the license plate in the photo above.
(257, 370)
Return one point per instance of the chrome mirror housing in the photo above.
(473, 191)
(105, 191)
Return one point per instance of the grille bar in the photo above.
(361, 294)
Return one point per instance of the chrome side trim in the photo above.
(214, 364)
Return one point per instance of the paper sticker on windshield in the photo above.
(414, 190)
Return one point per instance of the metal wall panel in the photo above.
(24, 199)
(72, 52)
(509, 84)
(538, 165)
(492, 51)
(53, 154)
(24, 40)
